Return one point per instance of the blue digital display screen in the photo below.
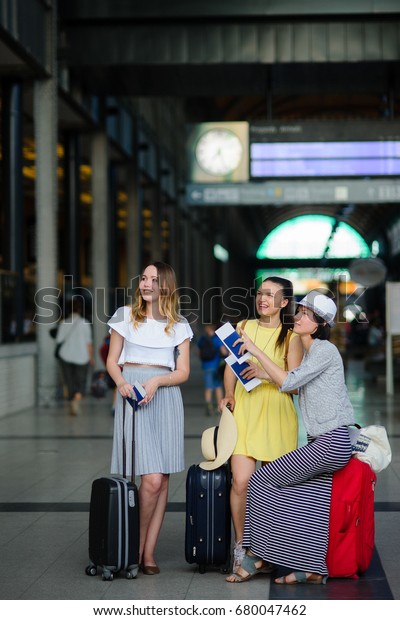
(325, 159)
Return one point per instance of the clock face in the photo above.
(219, 152)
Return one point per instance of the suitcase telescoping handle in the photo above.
(124, 440)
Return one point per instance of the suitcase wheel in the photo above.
(227, 568)
(91, 570)
(107, 575)
(131, 574)
(132, 571)
(202, 569)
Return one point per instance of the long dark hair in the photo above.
(286, 313)
(323, 331)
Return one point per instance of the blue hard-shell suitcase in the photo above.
(208, 517)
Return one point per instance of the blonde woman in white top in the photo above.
(150, 341)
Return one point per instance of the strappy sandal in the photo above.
(248, 564)
(301, 577)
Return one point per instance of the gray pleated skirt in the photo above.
(159, 429)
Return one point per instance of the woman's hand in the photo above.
(125, 389)
(247, 344)
(228, 401)
(151, 387)
(254, 370)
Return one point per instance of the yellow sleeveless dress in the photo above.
(266, 418)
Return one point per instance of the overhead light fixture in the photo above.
(220, 253)
(375, 249)
(86, 198)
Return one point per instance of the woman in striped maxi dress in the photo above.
(288, 500)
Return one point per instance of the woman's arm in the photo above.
(295, 353)
(229, 388)
(116, 344)
(182, 367)
(294, 357)
(275, 372)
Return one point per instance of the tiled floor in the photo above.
(48, 460)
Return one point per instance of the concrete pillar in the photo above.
(185, 256)
(73, 208)
(12, 186)
(113, 251)
(46, 202)
(198, 275)
(133, 229)
(156, 252)
(173, 240)
(196, 265)
(100, 240)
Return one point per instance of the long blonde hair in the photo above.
(168, 301)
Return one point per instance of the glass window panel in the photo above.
(310, 236)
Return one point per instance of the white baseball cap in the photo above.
(321, 305)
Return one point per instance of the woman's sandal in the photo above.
(248, 564)
(301, 577)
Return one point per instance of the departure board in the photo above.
(324, 150)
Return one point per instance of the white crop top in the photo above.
(148, 343)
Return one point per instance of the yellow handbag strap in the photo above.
(243, 324)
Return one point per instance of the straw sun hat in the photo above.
(218, 442)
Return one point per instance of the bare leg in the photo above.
(155, 524)
(153, 495)
(242, 469)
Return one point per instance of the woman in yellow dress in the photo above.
(266, 418)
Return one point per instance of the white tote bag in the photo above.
(371, 445)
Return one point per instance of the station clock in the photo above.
(218, 152)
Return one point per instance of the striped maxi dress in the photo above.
(288, 503)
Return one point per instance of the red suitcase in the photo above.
(351, 527)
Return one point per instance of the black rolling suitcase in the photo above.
(114, 522)
(208, 517)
